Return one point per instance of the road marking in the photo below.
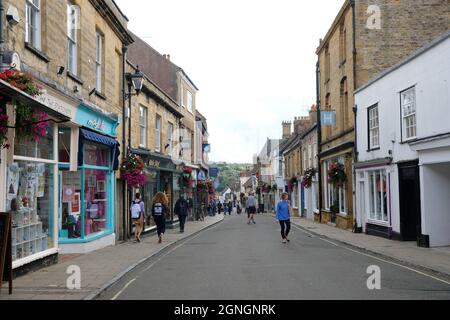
(123, 289)
(377, 258)
(177, 247)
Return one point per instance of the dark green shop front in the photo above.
(163, 176)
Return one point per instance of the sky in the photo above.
(252, 60)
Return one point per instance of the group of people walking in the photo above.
(160, 209)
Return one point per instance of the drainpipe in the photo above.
(356, 228)
(124, 153)
(319, 138)
(2, 38)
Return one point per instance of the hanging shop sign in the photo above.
(328, 118)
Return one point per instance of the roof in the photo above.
(414, 55)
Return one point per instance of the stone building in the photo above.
(73, 51)
(365, 38)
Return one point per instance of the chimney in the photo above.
(287, 129)
(313, 114)
(301, 124)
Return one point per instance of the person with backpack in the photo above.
(138, 216)
(181, 210)
(159, 210)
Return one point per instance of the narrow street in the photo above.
(236, 261)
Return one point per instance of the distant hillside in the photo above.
(229, 174)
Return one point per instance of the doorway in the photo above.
(410, 210)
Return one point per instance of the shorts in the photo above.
(251, 210)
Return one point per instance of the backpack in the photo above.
(136, 210)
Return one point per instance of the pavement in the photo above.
(237, 261)
(99, 269)
(435, 260)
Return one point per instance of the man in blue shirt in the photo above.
(284, 216)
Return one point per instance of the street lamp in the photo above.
(136, 81)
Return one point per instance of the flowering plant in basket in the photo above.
(133, 171)
(308, 178)
(336, 174)
(3, 129)
(292, 183)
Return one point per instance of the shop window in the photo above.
(30, 197)
(378, 197)
(64, 145)
(42, 149)
(96, 154)
(95, 201)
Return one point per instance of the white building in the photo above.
(403, 140)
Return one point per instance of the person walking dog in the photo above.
(181, 210)
(159, 210)
(284, 217)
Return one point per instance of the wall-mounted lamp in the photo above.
(61, 70)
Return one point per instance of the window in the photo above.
(182, 97)
(98, 61)
(169, 137)
(343, 41)
(335, 197)
(33, 23)
(158, 134)
(305, 160)
(378, 197)
(72, 52)
(189, 101)
(344, 102)
(327, 64)
(143, 126)
(374, 128)
(309, 156)
(408, 103)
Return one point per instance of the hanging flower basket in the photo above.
(30, 125)
(292, 183)
(133, 171)
(337, 175)
(308, 178)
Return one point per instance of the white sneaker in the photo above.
(284, 241)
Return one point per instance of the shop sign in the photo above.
(154, 163)
(96, 124)
(56, 104)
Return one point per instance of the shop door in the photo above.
(410, 211)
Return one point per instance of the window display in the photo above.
(42, 149)
(95, 202)
(31, 201)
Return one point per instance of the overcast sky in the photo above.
(253, 61)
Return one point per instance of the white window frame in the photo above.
(190, 101)
(315, 155)
(182, 97)
(310, 156)
(305, 160)
(374, 215)
(409, 114)
(143, 114)
(33, 31)
(158, 133)
(72, 43)
(374, 127)
(99, 61)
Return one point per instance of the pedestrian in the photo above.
(181, 210)
(251, 208)
(230, 208)
(219, 207)
(284, 216)
(137, 209)
(159, 210)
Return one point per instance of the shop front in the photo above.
(86, 188)
(163, 176)
(29, 173)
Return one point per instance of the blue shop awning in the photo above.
(98, 138)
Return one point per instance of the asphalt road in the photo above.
(236, 261)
